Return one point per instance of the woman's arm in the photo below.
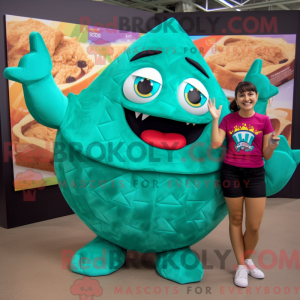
(217, 135)
(269, 148)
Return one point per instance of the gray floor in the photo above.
(31, 262)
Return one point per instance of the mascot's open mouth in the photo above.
(163, 133)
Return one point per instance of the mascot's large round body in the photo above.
(133, 153)
(141, 210)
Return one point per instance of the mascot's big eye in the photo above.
(143, 85)
(193, 96)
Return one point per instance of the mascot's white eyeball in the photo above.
(143, 85)
(193, 96)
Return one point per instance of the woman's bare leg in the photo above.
(235, 208)
(254, 212)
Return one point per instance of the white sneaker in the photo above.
(253, 270)
(241, 276)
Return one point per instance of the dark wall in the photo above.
(243, 22)
(49, 202)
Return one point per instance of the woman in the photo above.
(250, 137)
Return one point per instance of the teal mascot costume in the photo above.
(115, 157)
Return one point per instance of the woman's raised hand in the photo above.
(215, 113)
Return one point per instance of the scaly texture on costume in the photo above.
(140, 210)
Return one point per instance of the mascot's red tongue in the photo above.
(171, 141)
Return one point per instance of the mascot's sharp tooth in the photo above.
(144, 116)
(137, 114)
(187, 123)
(194, 124)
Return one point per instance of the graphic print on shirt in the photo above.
(244, 136)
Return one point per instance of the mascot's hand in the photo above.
(33, 66)
(281, 166)
(265, 89)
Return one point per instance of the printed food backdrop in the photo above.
(79, 54)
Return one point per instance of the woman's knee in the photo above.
(253, 229)
(236, 219)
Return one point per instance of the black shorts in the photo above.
(248, 182)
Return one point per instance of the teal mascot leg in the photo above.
(97, 258)
(179, 265)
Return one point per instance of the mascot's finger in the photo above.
(255, 67)
(296, 155)
(36, 42)
(15, 74)
(273, 90)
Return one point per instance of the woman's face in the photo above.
(246, 100)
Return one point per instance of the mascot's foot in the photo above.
(180, 265)
(99, 257)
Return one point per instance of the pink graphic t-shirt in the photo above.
(245, 139)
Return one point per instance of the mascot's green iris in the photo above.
(145, 87)
(153, 186)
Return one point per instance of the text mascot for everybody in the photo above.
(143, 129)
